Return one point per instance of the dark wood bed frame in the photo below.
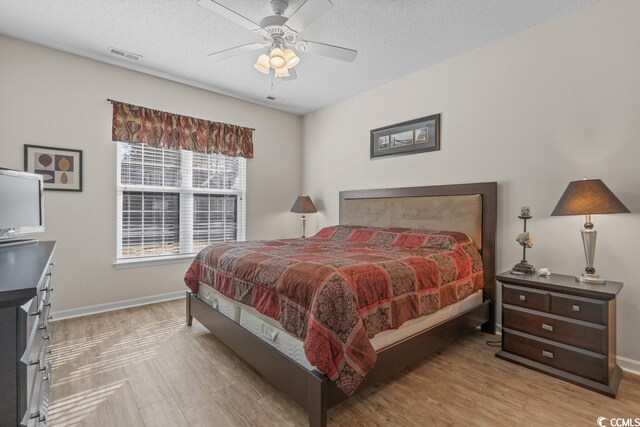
(312, 389)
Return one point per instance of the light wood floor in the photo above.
(144, 367)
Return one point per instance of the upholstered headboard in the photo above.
(450, 213)
(469, 208)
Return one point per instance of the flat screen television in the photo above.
(21, 204)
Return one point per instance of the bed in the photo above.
(275, 337)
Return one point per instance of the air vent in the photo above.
(271, 98)
(134, 57)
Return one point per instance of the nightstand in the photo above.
(562, 327)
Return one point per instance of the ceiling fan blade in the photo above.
(235, 51)
(225, 12)
(292, 76)
(307, 13)
(335, 52)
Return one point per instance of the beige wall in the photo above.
(52, 98)
(552, 104)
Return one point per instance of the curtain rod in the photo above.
(113, 100)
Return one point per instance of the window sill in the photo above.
(123, 264)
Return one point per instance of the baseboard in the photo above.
(101, 308)
(629, 365)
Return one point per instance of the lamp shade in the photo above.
(282, 72)
(586, 197)
(276, 59)
(262, 64)
(303, 205)
(291, 58)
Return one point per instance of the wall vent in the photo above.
(121, 53)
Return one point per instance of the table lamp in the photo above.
(303, 205)
(588, 197)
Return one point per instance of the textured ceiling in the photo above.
(394, 38)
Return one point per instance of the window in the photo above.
(177, 202)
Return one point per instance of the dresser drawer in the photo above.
(45, 280)
(36, 337)
(29, 312)
(38, 398)
(45, 309)
(589, 336)
(525, 297)
(587, 309)
(30, 307)
(566, 358)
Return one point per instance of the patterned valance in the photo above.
(155, 128)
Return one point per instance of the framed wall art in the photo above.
(61, 168)
(414, 136)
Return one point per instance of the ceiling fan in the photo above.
(280, 34)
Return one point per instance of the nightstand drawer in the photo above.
(587, 309)
(576, 333)
(569, 359)
(525, 297)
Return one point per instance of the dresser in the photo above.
(562, 327)
(25, 303)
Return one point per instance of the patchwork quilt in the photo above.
(339, 288)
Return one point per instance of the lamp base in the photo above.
(523, 267)
(590, 278)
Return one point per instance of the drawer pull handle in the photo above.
(576, 308)
(523, 298)
(548, 354)
(547, 327)
(45, 337)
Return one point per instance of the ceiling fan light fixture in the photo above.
(277, 58)
(280, 34)
(262, 64)
(290, 58)
(282, 72)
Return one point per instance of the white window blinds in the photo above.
(177, 202)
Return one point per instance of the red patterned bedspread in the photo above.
(339, 288)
